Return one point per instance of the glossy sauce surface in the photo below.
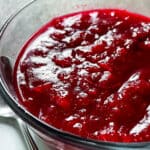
(88, 73)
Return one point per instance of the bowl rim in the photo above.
(43, 127)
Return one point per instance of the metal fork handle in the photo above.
(26, 134)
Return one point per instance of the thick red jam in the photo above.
(88, 73)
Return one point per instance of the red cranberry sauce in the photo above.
(88, 73)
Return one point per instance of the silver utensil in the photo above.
(7, 113)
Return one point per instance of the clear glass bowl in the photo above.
(13, 35)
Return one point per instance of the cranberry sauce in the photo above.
(88, 73)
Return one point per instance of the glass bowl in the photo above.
(16, 30)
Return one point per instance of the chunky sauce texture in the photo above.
(88, 73)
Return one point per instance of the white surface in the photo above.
(10, 139)
(7, 7)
